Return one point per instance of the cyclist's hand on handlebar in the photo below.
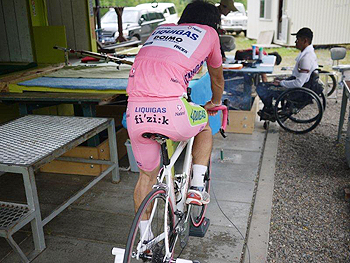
(209, 105)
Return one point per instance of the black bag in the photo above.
(244, 54)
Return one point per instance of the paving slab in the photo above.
(54, 188)
(118, 201)
(91, 225)
(238, 213)
(232, 156)
(69, 250)
(233, 191)
(246, 145)
(221, 244)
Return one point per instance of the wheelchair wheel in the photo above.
(328, 80)
(323, 101)
(298, 110)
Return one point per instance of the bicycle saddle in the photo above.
(154, 136)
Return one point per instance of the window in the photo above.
(130, 16)
(265, 9)
(145, 17)
(152, 16)
(172, 10)
(159, 15)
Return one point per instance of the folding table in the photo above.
(31, 141)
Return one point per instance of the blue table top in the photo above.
(266, 66)
(77, 83)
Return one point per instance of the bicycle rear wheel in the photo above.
(329, 82)
(197, 213)
(152, 250)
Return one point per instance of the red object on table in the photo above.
(87, 59)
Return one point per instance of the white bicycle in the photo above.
(170, 218)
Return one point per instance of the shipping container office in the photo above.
(328, 19)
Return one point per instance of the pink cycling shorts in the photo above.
(175, 118)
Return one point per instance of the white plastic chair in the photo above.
(337, 53)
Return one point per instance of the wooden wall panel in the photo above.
(68, 22)
(24, 36)
(12, 31)
(4, 54)
(73, 14)
(15, 41)
(54, 14)
(80, 18)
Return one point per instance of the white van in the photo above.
(168, 9)
(137, 23)
(235, 21)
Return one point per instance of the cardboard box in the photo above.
(100, 152)
(243, 121)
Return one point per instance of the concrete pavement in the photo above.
(101, 218)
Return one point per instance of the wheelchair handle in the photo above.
(224, 110)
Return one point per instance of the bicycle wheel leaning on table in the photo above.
(329, 81)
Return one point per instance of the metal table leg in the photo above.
(15, 216)
(33, 204)
(89, 110)
(23, 109)
(344, 102)
(113, 151)
(17, 249)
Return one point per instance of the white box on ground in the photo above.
(132, 161)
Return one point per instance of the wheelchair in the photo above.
(300, 110)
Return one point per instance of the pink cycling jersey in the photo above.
(169, 59)
(166, 63)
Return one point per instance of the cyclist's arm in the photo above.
(217, 86)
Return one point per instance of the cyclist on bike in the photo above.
(306, 63)
(157, 83)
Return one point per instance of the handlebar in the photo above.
(224, 110)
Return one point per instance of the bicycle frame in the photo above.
(166, 173)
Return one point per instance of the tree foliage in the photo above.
(180, 4)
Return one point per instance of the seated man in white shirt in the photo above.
(306, 63)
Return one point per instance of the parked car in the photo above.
(138, 23)
(235, 21)
(168, 9)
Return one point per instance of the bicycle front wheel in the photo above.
(153, 248)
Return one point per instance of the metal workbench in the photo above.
(28, 143)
